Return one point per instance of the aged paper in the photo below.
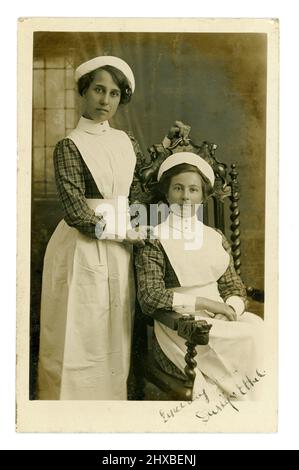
(198, 40)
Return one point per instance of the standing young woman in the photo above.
(88, 287)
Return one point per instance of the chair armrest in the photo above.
(168, 318)
(195, 332)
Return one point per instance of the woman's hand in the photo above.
(220, 316)
(137, 235)
(216, 308)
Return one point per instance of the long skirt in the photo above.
(87, 312)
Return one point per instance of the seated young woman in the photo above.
(188, 267)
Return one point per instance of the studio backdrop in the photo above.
(215, 82)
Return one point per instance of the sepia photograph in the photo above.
(147, 225)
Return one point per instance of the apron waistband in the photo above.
(116, 215)
(120, 203)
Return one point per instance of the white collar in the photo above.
(92, 127)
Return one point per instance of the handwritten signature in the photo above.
(172, 412)
(215, 407)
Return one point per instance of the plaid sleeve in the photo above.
(230, 282)
(137, 194)
(150, 271)
(70, 182)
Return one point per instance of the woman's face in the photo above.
(102, 98)
(185, 191)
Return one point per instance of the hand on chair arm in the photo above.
(202, 303)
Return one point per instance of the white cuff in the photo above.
(183, 303)
(237, 304)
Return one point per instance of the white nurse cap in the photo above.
(187, 157)
(101, 61)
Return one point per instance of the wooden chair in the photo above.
(145, 368)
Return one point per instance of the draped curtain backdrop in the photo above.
(216, 82)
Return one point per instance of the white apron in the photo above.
(235, 348)
(88, 287)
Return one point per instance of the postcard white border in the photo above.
(101, 416)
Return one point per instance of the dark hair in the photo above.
(164, 183)
(117, 76)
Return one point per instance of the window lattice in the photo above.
(54, 116)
